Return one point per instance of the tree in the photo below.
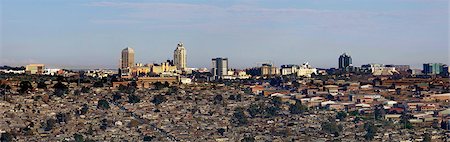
(117, 97)
(444, 125)
(6, 137)
(404, 120)
(42, 85)
(248, 139)
(49, 124)
(84, 109)
(331, 127)
(254, 110)
(239, 117)
(148, 138)
(133, 99)
(166, 84)
(78, 137)
(276, 101)
(76, 92)
(103, 104)
(159, 85)
(341, 115)
(231, 97)
(62, 117)
(60, 89)
(379, 112)
(98, 84)
(25, 86)
(238, 97)
(85, 89)
(103, 124)
(158, 99)
(60, 85)
(271, 111)
(427, 137)
(297, 108)
(370, 129)
(221, 131)
(218, 99)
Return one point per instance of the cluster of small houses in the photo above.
(340, 95)
(432, 105)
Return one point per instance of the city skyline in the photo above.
(88, 34)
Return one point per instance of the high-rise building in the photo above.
(345, 61)
(219, 67)
(433, 68)
(127, 60)
(179, 57)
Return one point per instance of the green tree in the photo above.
(158, 99)
(49, 124)
(78, 137)
(404, 120)
(239, 117)
(41, 85)
(379, 112)
(62, 117)
(25, 86)
(117, 97)
(341, 115)
(427, 137)
(60, 89)
(370, 129)
(297, 108)
(276, 101)
(84, 109)
(6, 137)
(85, 89)
(148, 138)
(98, 84)
(103, 104)
(221, 131)
(254, 110)
(332, 127)
(271, 111)
(248, 139)
(133, 99)
(218, 99)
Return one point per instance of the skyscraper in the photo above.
(219, 67)
(433, 68)
(179, 57)
(345, 61)
(127, 60)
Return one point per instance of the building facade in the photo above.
(127, 61)
(289, 69)
(35, 69)
(434, 68)
(179, 57)
(345, 61)
(306, 70)
(219, 67)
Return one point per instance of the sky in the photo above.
(84, 34)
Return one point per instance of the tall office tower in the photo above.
(433, 68)
(219, 67)
(345, 61)
(127, 60)
(179, 57)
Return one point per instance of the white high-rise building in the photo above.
(127, 60)
(179, 57)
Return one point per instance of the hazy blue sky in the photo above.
(91, 34)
